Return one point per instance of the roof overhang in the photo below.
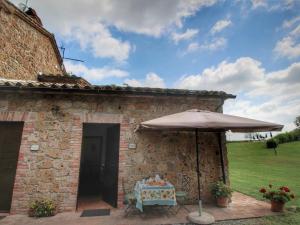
(68, 88)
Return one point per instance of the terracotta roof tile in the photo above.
(7, 84)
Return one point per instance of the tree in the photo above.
(297, 121)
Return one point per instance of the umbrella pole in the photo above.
(221, 157)
(198, 173)
(200, 217)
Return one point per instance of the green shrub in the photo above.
(42, 208)
(219, 189)
(272, 143)
(293, 135)
(296, 134)
(282, 138)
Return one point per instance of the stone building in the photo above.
(63, 139)
(26, 47)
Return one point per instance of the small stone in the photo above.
(54, 154)
(45, 164)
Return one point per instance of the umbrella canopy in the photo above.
(208, 121)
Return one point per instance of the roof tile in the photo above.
(7, 84)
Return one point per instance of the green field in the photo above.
(252, 166)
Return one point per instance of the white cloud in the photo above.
(89, 22)
(151, 80)
(187, 35)
(259, 3)
(272, 96)
(94, 75)
(289, 46)
(296, 32)
(220, 25)
(291, 22)
(144, 17)
(192, 47)
(98, 39)
(271, 6)
(213, 45)
(231, 77)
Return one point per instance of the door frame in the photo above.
(120, 124)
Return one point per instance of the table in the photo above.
(154, 195)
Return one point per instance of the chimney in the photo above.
(32, 13)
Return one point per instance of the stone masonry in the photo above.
(26, 47)
(55, 122)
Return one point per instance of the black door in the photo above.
(10, 141)
(110, 174)
(90, 167)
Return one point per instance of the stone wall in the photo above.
(55, 123)
(25, 50)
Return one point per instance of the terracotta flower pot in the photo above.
(277, 206)
(222, 202)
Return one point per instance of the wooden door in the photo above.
(10, 140)
(110, 176)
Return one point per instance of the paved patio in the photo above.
(242, 206)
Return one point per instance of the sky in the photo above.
(250, 48)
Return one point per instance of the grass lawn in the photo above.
(252, 166)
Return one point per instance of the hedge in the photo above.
(293, 135)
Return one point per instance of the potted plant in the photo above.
(278, 197)
(222, 193)
(42, 208)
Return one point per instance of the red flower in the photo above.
(262, 190)
(283, 188)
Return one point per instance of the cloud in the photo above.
(259, 3)
(96, 38)
(291, 22)
(192, 47)
(151, 18)
(213, 45)
(231, 77)
(296, 32)
(90, 22)
(272, 96)
(289, 46)
(273, 5)
(220, 25)
(94, 75)
(151, 80)
(187, 35)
